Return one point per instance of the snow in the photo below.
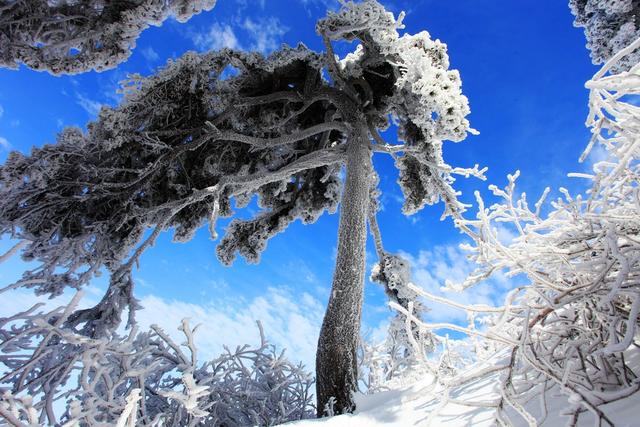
(412, 405)
(422, 404)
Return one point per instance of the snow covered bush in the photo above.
(144, 378)
(573, 327)
(394, 363)
(609, 25)
(190, 141)
(69, 37)
(394, 273)
(403, 353)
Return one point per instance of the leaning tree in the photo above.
(69, 37)
(221, 127)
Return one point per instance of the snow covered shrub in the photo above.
(144, 376)
(69, 37)
(389, 364)
(14, 410)
(410, 351)
(609, 25)
(573, 327)
(406, 345)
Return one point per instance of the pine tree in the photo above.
(225, 126)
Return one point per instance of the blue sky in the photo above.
(523, 67)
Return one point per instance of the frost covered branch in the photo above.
(573, 327)
(609, 27)
(141, 379)
(69, 37)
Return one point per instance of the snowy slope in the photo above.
(422, 405)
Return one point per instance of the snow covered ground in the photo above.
(421, 404)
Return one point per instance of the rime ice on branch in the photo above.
(144, 377)
(609, 25)
(69, 37)
(186, 144)
(573, 326)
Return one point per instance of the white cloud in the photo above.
(598, 154)
(4, 143)
(215, 38)
(263, 35)
(111, 87)
(90, 106)
(506, 233)
(266, 33)
(150, 54)
(290, 320)
(431, 269)
(379, 333)
(1, 111)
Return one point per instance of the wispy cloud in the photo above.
(598, 154)
(4, 143)
(111, 85)
(91, 106)
(265, 33)
(1, 111)
(150, 54)
(215, 38)
(313, 6)
(432, 268)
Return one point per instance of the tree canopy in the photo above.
(69, 37)
(296, 131)
(609, 27)
(210, 130)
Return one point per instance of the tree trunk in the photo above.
(336, 360)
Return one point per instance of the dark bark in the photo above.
(336, 359)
